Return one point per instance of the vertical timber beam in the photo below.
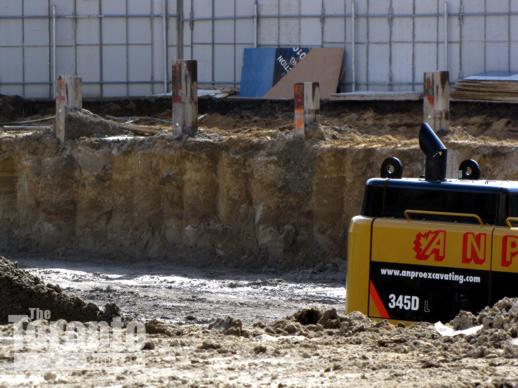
(306, 97)
(391, 35)
(180, 20)
(436, 100)
(185, 98)
(461, 39)
(68, 98)
(353, 43)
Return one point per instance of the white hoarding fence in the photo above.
(125, 47)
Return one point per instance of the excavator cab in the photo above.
(425, 248)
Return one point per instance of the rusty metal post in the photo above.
(436, 100)
(69, 97)
(306, 97)
(185, 98)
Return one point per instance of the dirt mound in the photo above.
(83, 123)
(312, 322)
(503, 315)
(499, 328)
(20, 291)
(229, 326)
(496, 336)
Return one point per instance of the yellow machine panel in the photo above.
(416, 266)
(359, 244)
(505, 249)
(505, 263)
(436, 244)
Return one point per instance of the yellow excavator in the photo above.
(425, 248)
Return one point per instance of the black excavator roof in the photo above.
(484, 201)
(486, 186)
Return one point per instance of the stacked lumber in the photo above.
(493, 88)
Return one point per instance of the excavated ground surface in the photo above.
(185, 295)
(243, 193)
(190, 340)
(247, 332)
(313, 346)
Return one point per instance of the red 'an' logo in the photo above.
(430, 244)
(474, 247)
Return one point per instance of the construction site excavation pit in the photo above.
(230, 246)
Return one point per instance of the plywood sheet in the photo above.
(322, 65)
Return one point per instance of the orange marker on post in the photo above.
(306, 98)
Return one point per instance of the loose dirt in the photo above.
(21, 291)
(368, 122)
(316, 345)
(311, 347)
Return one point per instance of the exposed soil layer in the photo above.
(244, 192)
(21, 292)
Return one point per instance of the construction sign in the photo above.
(272, 72)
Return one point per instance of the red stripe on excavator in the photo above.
(377, 301)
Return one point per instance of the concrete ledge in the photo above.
(509, 102)
(377, 96)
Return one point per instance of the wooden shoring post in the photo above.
(306, 98)
(69, 97)
(185, 98)
(436, 100)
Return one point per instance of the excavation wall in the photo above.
(254, 203)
